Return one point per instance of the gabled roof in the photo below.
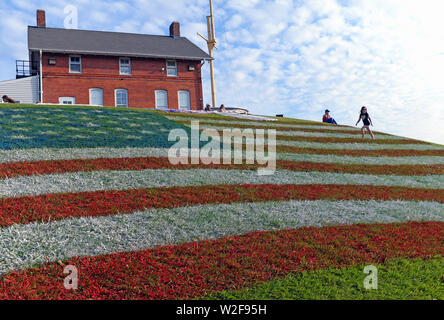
(113, 43)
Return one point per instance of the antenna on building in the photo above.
(211, 42)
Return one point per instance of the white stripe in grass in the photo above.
(23, 246)
(78, 153)
(320, 134)
(272, 125)
(96, 153)
(358, 146)
(321, 158)
(124, 180)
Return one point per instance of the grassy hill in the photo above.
(94, 188)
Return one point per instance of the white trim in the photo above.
(115, 98)
(120, 66)
(80, 59)
(90, 90)
(41, 77)
(176, 68)
(178, 100)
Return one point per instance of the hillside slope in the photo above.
(94, 188)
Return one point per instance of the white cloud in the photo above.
(292, 56)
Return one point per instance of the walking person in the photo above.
(367, 121)
(327, 119)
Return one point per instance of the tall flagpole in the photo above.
(211, 42)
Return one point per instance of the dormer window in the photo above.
(125, 66)
(171, 68)
(75, 64)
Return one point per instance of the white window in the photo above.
(161, 99)
(67, 100)
(121, 98)
(75, 64)
(96, 96)
(171, 68)
(184, 100)
(125, 66)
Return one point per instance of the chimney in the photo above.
(41, 20)
(175, 29)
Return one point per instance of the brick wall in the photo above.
(103, 72)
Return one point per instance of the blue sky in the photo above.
(288, 56)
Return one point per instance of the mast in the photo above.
(211, 42)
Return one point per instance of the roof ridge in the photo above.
(106, 31)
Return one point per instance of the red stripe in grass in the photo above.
(100, 203)
(196, 269)
(64, 166)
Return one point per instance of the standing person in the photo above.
(365, 117)
(327, 119)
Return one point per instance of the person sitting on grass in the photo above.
(222, 108)
(207, 107)
(327, 119)
(365, 117)
(7, 99)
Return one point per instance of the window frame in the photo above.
(73, 100)
(80, 64)
(90, 91)
(175, 68)
(155, 99)
(120, 66)
(127, 98)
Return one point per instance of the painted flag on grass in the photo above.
(93, 188)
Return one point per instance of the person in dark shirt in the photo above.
(367, 121)
(327, 119)
(207, 107)
(7, 99)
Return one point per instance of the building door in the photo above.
(184, 100)
(67, 100)
(96, 96)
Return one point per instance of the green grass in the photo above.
(397, 279)
(43, 126)
(64, 106)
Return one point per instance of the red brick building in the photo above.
(116, 69)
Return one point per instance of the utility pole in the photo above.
(211, 42)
